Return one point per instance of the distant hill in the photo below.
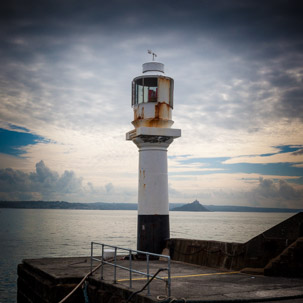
(67, 205)
(194, 206)
(231, 208)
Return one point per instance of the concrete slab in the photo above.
(190, 282)
(61, 269)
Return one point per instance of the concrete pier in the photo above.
(49, 280)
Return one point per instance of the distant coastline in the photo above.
(131, 206)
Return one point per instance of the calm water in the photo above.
(35, 233)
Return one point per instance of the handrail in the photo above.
(129, 268)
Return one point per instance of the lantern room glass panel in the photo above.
(145, 90)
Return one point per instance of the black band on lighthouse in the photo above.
(153, 230)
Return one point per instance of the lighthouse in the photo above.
(152, 103)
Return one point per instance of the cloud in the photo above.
(243, 189)
(278, 158)
(298, 152)
(67, 63)
(279, 162)
(48, 185)
(278, 193)
(109, 187)
(43, 184)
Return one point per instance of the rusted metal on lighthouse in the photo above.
(152, 102)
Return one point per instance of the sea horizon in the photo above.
(41, 204)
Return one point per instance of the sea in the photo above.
(37, 233)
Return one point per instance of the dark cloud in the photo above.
(43, 184)
(292, 102)
(48, 185)
(41, 43)
(279, 193)
(298, 152)
(242, 21)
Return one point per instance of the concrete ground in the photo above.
(189, 282)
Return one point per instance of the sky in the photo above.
(65, 99)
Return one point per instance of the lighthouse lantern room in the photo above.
(152, 97)
(152, 102)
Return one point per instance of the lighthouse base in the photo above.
(153, 230)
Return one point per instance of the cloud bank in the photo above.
(49, 185)
(277, 193)
(43, 184)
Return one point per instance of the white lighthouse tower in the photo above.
(152, 102)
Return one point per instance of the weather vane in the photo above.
(152, 53)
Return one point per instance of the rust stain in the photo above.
(162, 110)
(144, 186)
(156, 123)
(152, 122)
(137, 114)
(165, 86)
(143, 173)
(157, 111)
(162, 116)
(165, 81)
(142, 113)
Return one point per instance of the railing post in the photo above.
(102, 260)
(91, 256)
(147, 271)
(115, 267)
(130, 269)
(168, 277)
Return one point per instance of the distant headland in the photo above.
(194, 206)
(134, 206)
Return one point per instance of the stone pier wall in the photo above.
(35, 286)
(208, 253)
(256, 253)
(49, 280)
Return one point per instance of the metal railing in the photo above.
(129, 268)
